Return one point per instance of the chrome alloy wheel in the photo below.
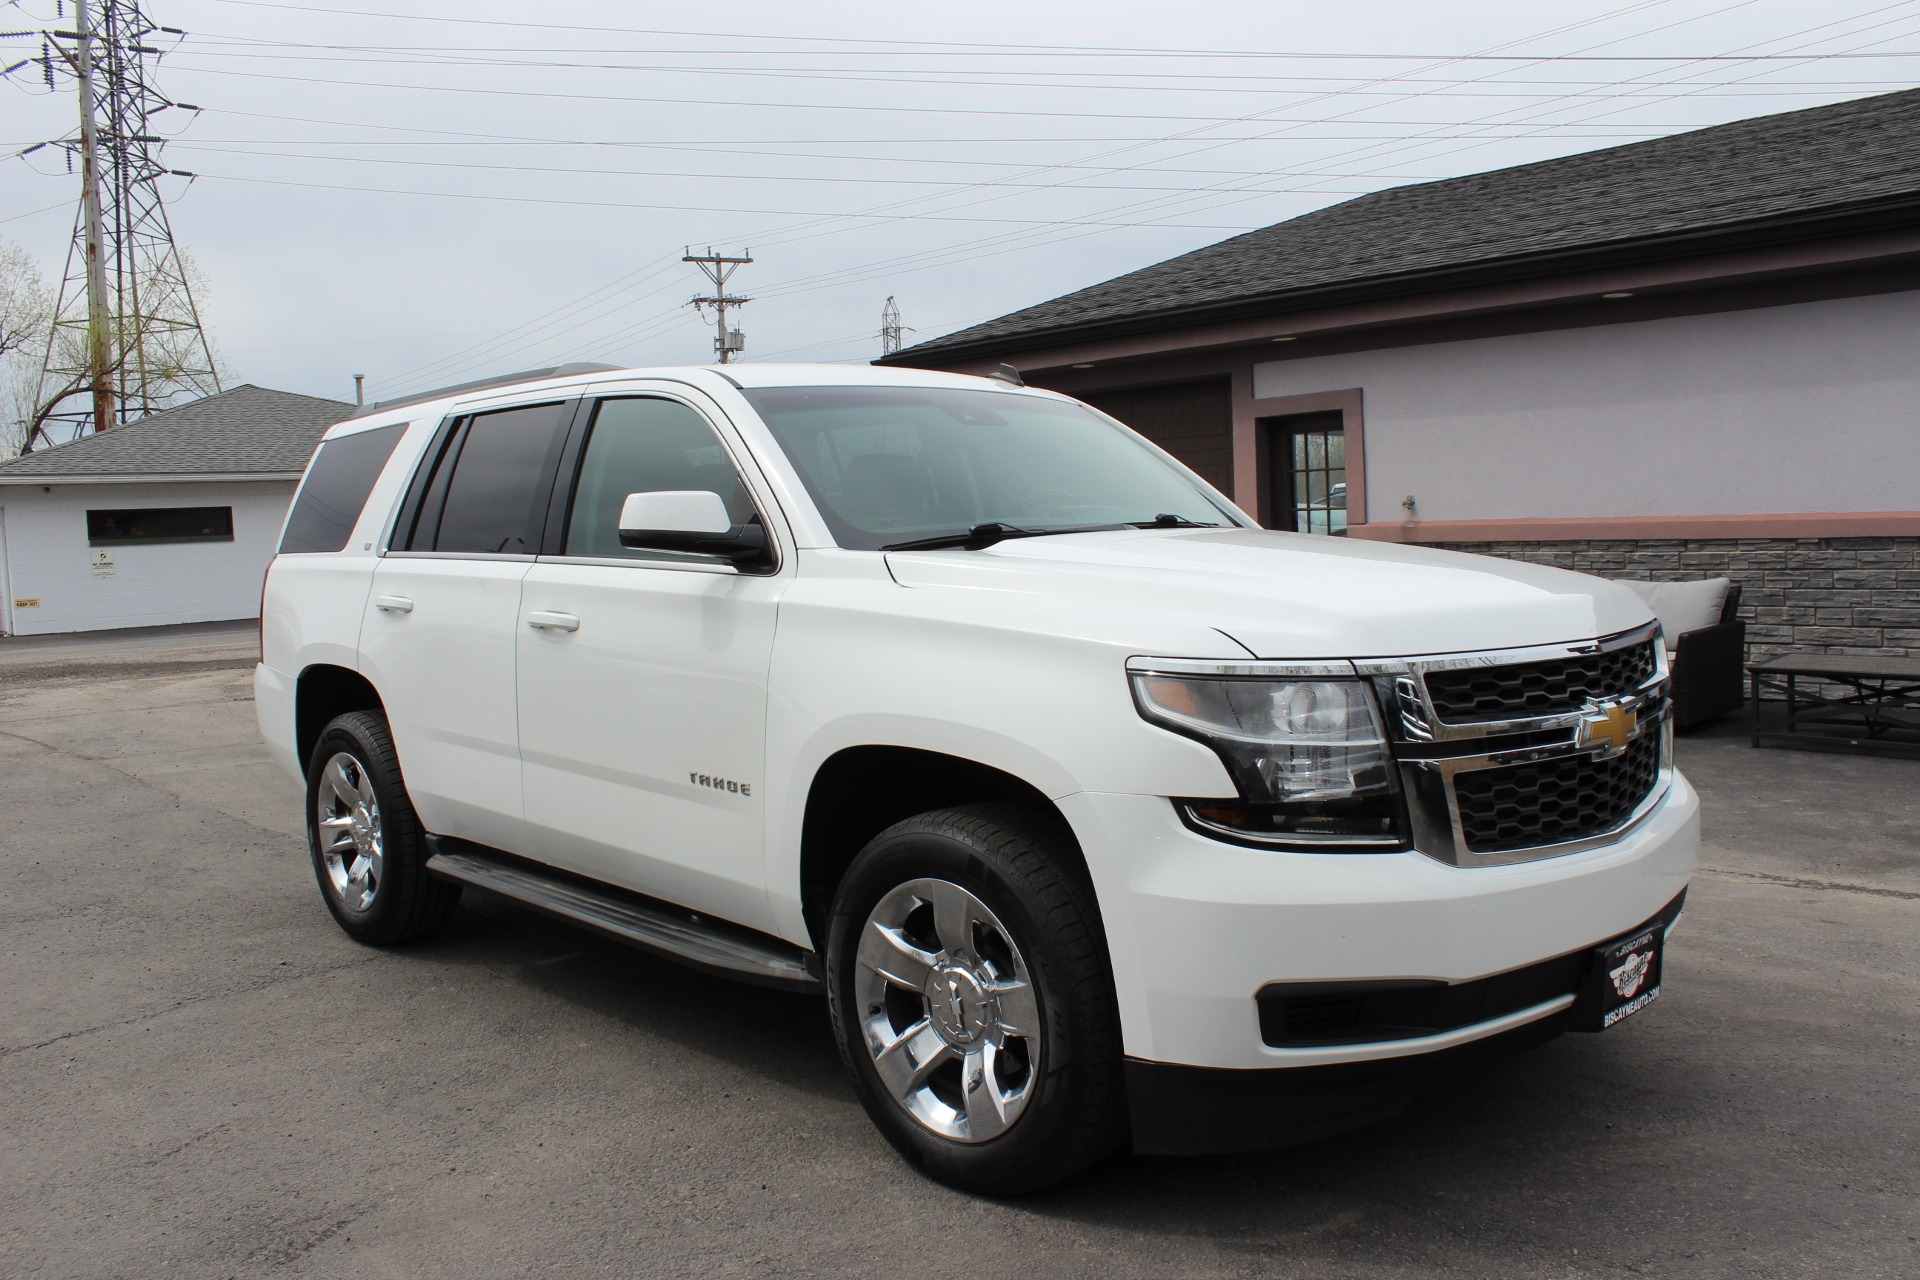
(948, 1010)
(347, 816)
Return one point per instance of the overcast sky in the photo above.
(452, 190)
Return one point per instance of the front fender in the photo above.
(1035, 689)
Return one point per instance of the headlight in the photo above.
(1307, 755)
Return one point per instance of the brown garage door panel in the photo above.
(1193, 421)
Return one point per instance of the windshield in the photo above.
(888, 465)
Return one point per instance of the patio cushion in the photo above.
(1683, 606)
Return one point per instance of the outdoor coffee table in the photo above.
(1875, 702)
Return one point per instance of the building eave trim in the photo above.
(198, 477)
(1785, 524)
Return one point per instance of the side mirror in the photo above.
(693, 521)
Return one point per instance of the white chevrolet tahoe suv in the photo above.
(1098, 814)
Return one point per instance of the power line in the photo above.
(212, 148)
(593, 297)
(1054, 228)
(686, 208)
(894, 109)
(995, 49)
(825, 281)
(518, 55)
(1009, 241)
(1212, 144)
(1268, 84)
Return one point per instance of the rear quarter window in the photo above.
(342, 475)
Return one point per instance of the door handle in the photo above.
(548, 620)
(394, 604)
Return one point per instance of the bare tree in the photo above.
(26, 314)
(31, 397)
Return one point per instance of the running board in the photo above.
(718, 948)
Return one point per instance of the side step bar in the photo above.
(718, 948)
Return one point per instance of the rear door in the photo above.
(643, 675)
(439, 632)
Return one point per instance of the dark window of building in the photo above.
(1307, 477)
(336, 488)
(1193, 421)
(499, 472)
(121, 526)
(645, 446)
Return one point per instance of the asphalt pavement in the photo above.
(200, 1075)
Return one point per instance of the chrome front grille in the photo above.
(1513, 755)
(1553, 801)
(1468, 694)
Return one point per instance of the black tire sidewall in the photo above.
(1039, 1148)
(364, 736)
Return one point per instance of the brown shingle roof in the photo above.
(248, 430)
(1751, 174)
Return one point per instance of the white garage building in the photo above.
(169, 519)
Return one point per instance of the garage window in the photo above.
(121, 526)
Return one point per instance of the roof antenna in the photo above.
(1009, 375)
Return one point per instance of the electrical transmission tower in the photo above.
(718, 268)
(127, 339)
(890, 327)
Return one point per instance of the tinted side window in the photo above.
(338, 482)
(645, 446)
(496, 499)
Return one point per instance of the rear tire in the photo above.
(972, 999)
(369, 852)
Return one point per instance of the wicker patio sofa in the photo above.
(1706, 645)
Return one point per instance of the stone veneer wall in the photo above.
(1807, 595)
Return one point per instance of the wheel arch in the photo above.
(323, 692)
(860, 791)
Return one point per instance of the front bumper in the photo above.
(1177, 1110)
(1196, 927)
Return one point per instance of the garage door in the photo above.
(1193, 421)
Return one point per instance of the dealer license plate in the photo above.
(1630, 974)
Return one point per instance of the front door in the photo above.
(643, 680)
(1307, 454)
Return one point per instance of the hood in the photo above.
(1296, 595)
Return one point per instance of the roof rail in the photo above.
(481, 384)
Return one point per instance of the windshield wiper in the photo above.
(1165, 521)
(982, 536)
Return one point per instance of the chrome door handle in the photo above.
(548, 620)
(394, 604)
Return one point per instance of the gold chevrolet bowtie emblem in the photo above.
(1608, 724)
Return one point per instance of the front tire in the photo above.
(973, 1002)
(369, 852)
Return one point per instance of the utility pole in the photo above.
(99, 345)
(719, 268)
(890, 327)
(126, 339)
